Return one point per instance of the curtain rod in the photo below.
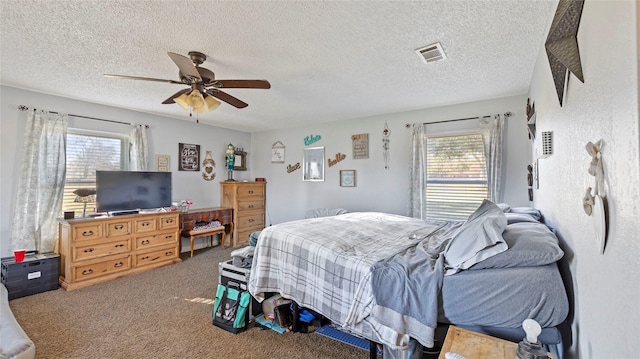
(506, 114)
(25, 108)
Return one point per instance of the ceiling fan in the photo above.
(203, 86)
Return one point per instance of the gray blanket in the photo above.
(406, 286)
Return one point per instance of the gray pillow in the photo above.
(534, 212)
(530, 244)
(520, 217)
(479, 238)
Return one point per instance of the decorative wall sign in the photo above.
(277, 152)
(311, 139)
(531, 119)
(313, 164)
(562, 44)
(596, 205)
(385, 145)
(208, 165)
(291, 168)
(339, 157)
(347, 178)
(189, 157)
(163, 163)
(360, 144)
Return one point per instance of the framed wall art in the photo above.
(277, 152)
(189, 157)
(163, 163)
(313, 164)
(347, 178)
(360, 144)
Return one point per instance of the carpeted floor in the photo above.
(162, 313)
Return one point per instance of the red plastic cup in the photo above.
(19, 254)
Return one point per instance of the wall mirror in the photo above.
(240, 161)
(313, 164)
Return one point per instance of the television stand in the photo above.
(122, 213)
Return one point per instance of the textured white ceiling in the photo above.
(325, 61)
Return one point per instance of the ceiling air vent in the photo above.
(431, 53)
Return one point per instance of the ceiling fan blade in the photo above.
(235, 102)
(185, 65)
(142, 78)
(240, 84)
(177, 94)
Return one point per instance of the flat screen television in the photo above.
(122, 191)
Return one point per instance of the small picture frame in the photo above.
(163, 163)
(347, 178)
(313, 164)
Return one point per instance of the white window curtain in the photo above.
(418, 173)
(41, 182)
(493, 140)
(138, 151)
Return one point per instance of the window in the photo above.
(456, 176)
(86, 153)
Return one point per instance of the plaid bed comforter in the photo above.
(324, 264)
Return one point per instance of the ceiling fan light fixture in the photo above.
(210, 104)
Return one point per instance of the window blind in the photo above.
(456, 176)
(87, 153)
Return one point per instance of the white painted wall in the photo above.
(377, 189)
(606, 287)
(164, 136)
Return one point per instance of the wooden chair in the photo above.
(207, 232)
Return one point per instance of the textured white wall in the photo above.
(164, 136)
(377, 189)
(606, 287)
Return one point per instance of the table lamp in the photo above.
(85, 195)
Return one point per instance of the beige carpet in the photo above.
(163, 313)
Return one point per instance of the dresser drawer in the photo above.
(257, 204)
(100, 269)
(256, 220)
(120, 228)
(169, 222)
(145, 225)
(250, 190)
(156, 256)
(101, 249)
(87, 232)
(155, 240)
(243, 236)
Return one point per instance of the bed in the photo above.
(392, 279)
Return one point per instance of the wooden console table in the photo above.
(222, 214)
(475, 345)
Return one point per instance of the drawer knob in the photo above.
(117, 265)
(144, 242)
(168, 237)
(168, 254)
(89, 250)
(250, 219)
(170, 220)
(250, 192)
(145, 224)
(145, 258)
(87, 233)
(118, 226)
(87, 271)
(119, 245)
(250, 206)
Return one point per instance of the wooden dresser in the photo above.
(95, 250)
(248, 202)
